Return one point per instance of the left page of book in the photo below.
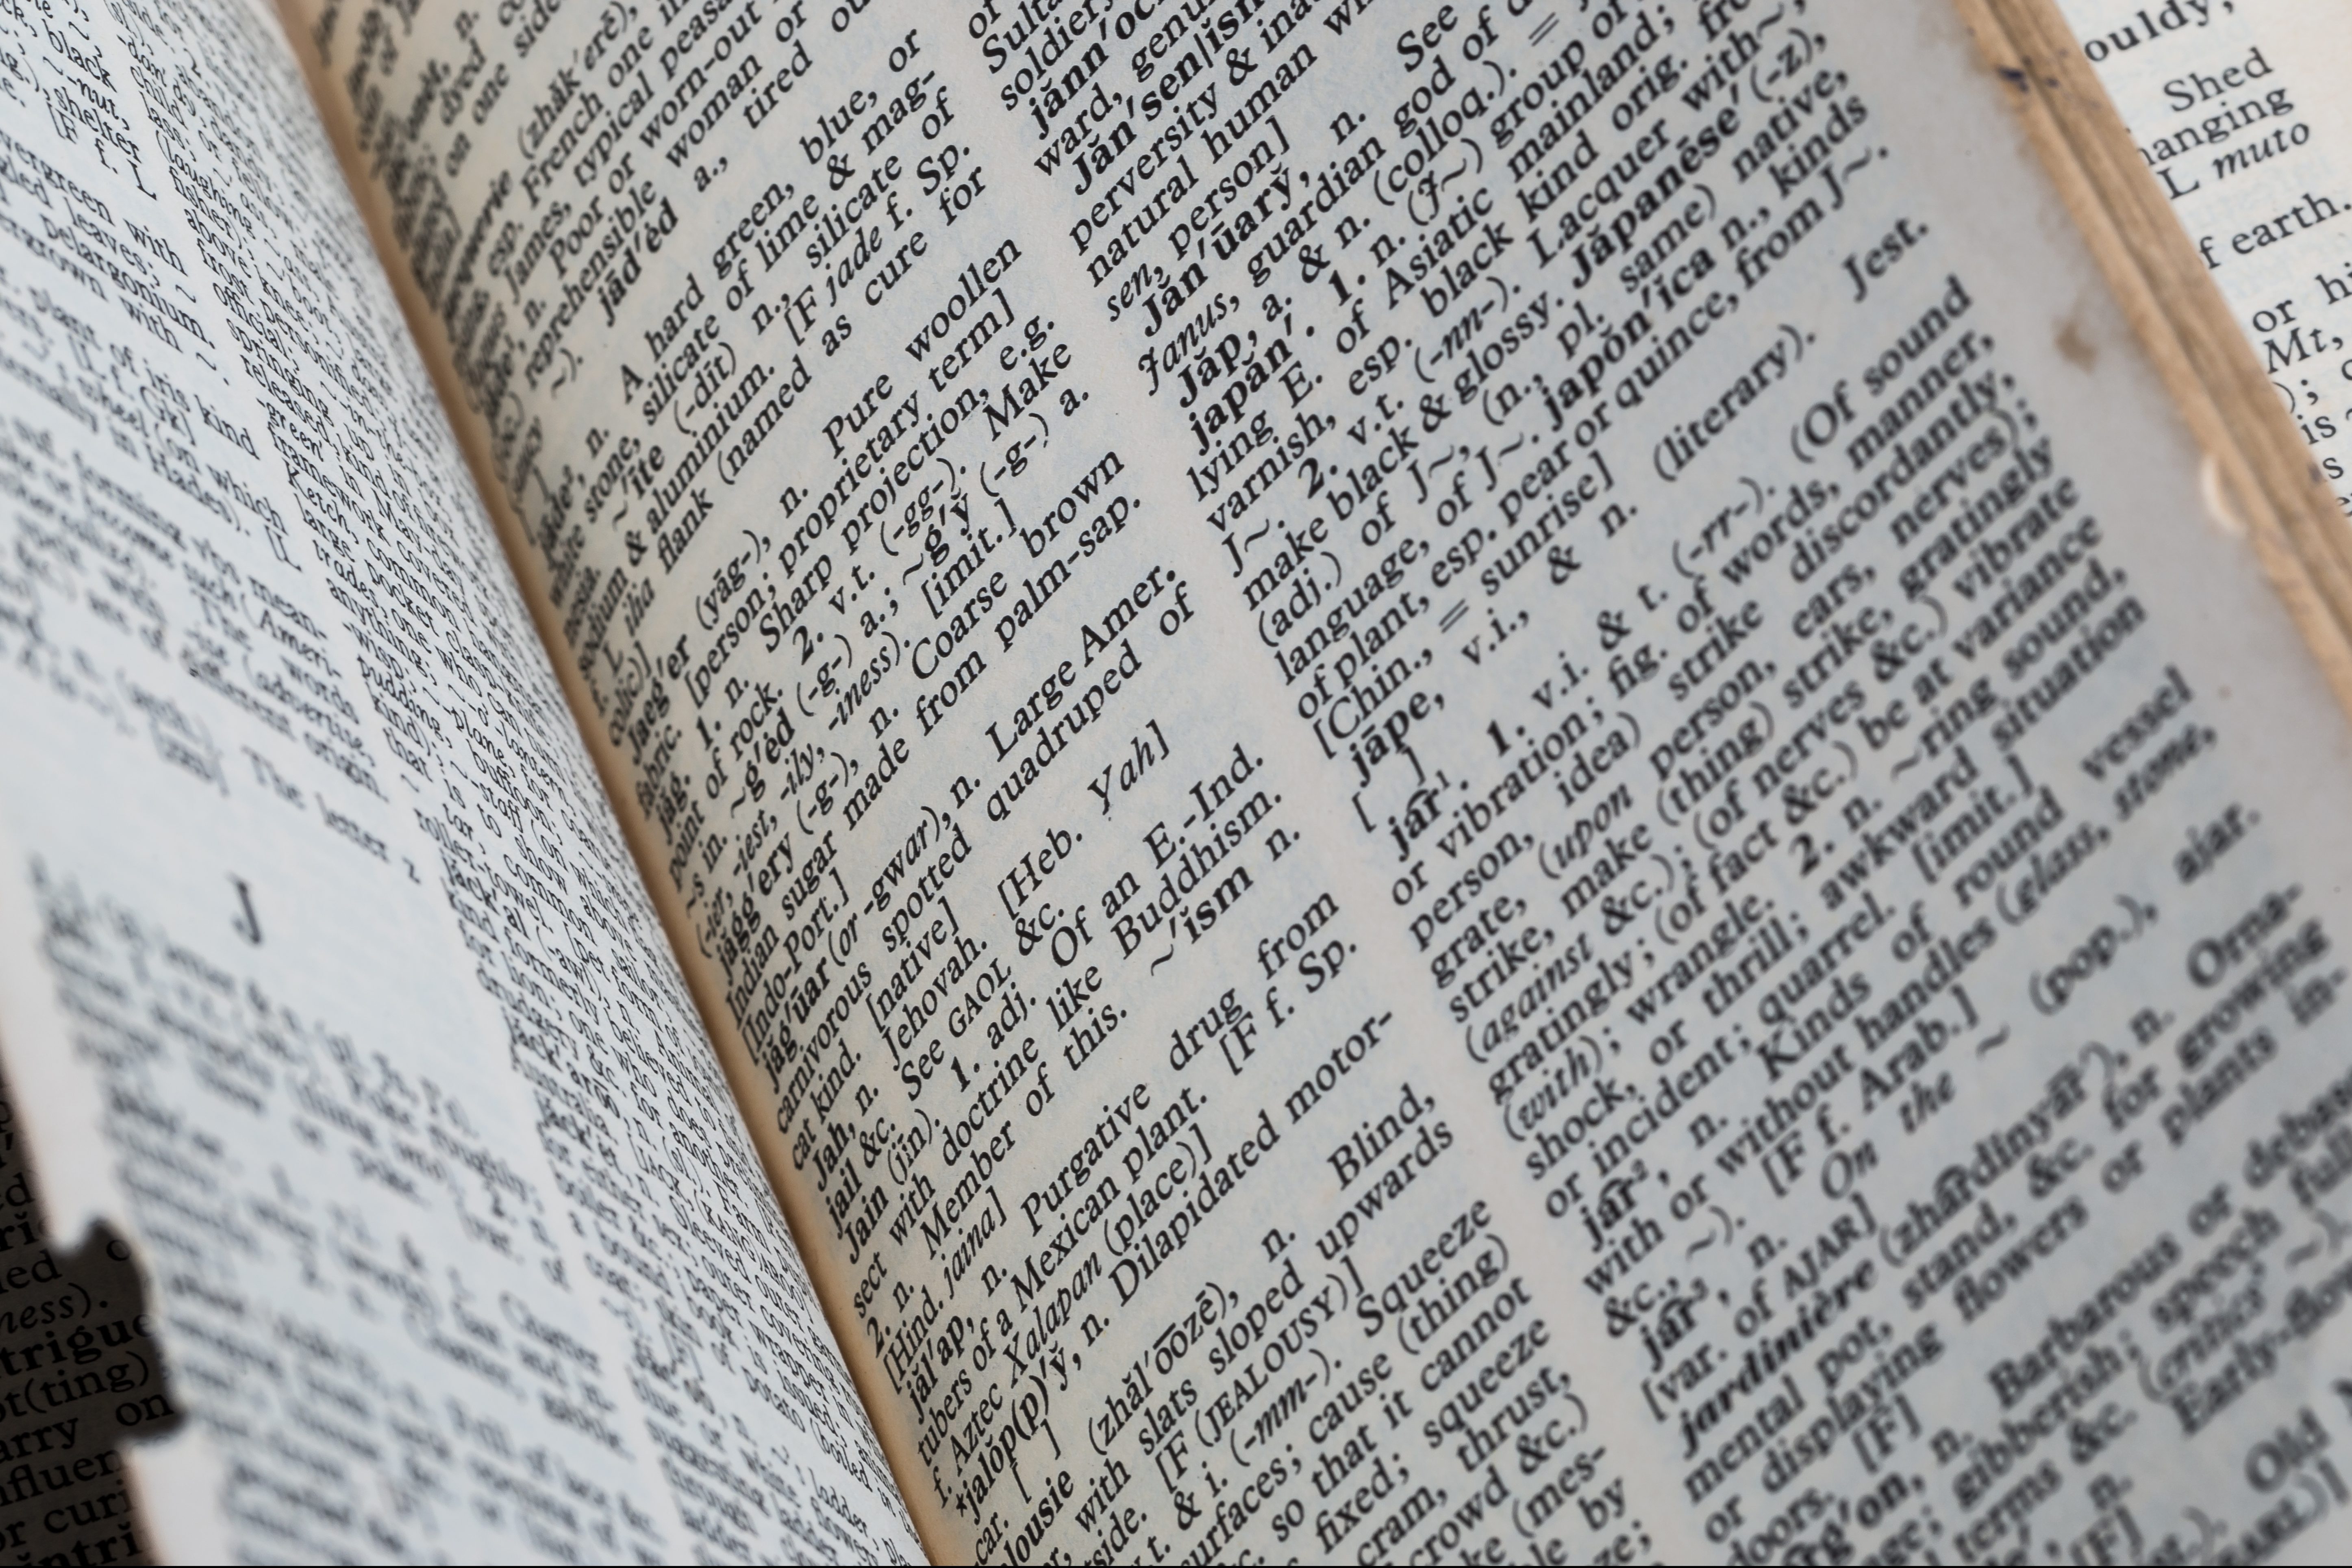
(326, 981)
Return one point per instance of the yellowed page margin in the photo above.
(943, 1536)
(2321, 31)
(2268, 483)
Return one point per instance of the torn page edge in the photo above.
(178, 1481)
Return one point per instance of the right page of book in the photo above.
(2238, 111)
(1470, 779)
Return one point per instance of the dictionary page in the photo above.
(326, 982)
(1457, 780)
(2238, 111)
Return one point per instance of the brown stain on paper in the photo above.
(2078, 350)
